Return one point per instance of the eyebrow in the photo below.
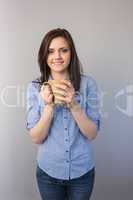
(59, 48)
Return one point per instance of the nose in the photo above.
(57, 55)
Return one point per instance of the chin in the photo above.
(59, 70)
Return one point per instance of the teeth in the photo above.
(55, 64)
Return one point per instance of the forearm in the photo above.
(40, 131)
(86, 125)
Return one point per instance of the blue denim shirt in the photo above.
(66, 153)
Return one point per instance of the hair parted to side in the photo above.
(74, 68)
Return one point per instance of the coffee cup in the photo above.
(53, 83)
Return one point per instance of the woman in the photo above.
(64, 132)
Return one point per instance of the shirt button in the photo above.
(67, 151)
(65, 128)
(66, 140)
(67, 161)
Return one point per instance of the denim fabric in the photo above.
(66, 152)
(57, 189)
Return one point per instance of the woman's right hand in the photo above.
(46, 94)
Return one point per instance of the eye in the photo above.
(65, 50)
(50, 51)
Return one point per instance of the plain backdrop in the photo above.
(103, 34)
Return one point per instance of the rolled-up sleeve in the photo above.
(93, 102)
(32, 106)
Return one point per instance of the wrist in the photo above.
(48, 109)
(73, 104)
(48, 104)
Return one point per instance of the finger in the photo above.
(50, 97)
(46, 88)
(61, 98)
(64, 99)
(60, 92)
(42, 87)
(61, 86)
(68, 83)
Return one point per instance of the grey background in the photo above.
(103, 34)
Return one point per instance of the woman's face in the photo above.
(59, 55)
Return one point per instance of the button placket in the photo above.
(66, 136)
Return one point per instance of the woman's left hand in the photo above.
(66, 91)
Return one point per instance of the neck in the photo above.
(60, 76)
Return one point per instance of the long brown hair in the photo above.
(74, 68)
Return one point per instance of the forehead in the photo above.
(58, 42)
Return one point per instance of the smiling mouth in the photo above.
(57, 63)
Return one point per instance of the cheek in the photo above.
(48, 60)
(67, 58)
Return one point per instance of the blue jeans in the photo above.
(56, 189)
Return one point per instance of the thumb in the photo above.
(50, 97)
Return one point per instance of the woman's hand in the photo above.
(66, 91)
(46, 94)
